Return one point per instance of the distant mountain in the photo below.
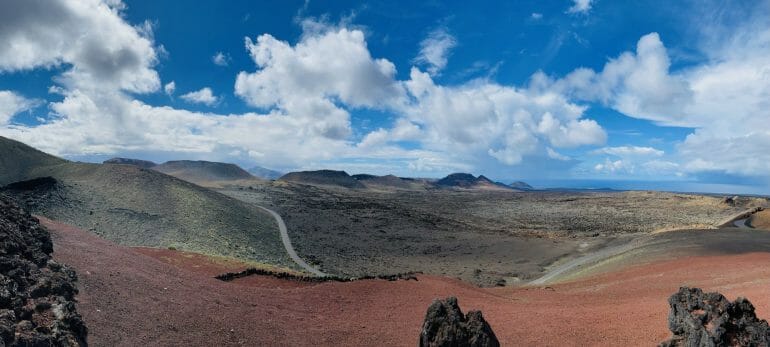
(468, 181)
(144, 164)
(521, 185)
(459, 180)
(323, 177)
(203, 172)
(390, 181)
(264, 173)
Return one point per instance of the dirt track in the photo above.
(139, 297)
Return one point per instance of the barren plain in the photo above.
(485, 237)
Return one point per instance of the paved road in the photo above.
(288, 246)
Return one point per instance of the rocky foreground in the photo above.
(709, 319)
(37, 295)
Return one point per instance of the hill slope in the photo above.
(144, 164)
(18, 161)
(134, 207)
(468, 181)
(391, 181)
(323, 177)
(203, 172)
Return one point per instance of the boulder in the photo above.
(446, 326)
(709, 319)
(37, 295)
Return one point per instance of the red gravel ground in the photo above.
(131, 297)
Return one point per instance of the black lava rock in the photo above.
(709, 319)
(446, 326)
(37, 295)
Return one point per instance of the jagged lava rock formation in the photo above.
(709, 319)
(446, 326)
(37, 295)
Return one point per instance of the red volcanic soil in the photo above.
(135, 297)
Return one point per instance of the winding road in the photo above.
(613, 251)
(287, 244)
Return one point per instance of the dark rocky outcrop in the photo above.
(709, 319)
(37, 295)
(144, 164)
(38, 192)
(446, 326)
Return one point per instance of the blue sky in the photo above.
(587, 90)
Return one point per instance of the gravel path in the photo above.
(287, 244)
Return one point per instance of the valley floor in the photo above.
(134, 297)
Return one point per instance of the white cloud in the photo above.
(556, 155)
(580, 6)
(630, 151)
(333, 63)
(636, 84)
(482, 118)
(169, 88)
(221, 59)
(51, 34)
(726, 99)
(435, 50)
(611, 167)
(536, 16)
(203, 96)
(12, 104)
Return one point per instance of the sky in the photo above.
(566, 91)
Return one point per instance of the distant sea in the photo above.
(669, 186)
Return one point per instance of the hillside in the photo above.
(390, 181)
(203, 172)
(323, 177)
(264, 173)
(134, 206)
(521, 185)
(145, 164)
(19, 161)
(468, 181)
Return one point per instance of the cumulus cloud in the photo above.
(307, 80)
(203, 96)
(504, 122)
(12, 104)
(556, 155)
(39, 33)
(221, 59)
(637, 84)
(614, 166)
(435, 50)
(536, 16)
(630, 151)
(169, 88)
(580, 6)
(725, 99)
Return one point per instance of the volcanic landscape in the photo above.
(206, 253)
